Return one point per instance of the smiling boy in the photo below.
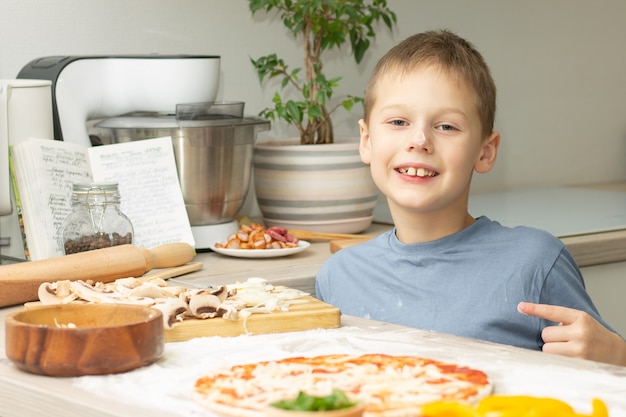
(428, 126)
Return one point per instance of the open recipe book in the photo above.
(44, 170)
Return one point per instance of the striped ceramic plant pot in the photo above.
(315, 187)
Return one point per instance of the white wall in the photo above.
(560, 65)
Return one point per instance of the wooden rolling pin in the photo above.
(19, 282)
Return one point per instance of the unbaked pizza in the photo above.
(391, 386)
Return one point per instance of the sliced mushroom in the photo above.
(155, 280)
(204, 305)
(173, 310)
(174, 291)
(220, 292)
(129, 282)
(55, 293)
(148, 290)
(88, 293)
(48, 295)
(123, 290)
(63, 288)
(228, 311)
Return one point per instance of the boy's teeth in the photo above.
(419, 172)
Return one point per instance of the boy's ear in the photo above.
(365, 146)
(488, 153)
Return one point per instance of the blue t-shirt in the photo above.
(466, 284)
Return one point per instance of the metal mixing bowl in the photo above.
(213, 155)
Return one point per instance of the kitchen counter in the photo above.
(165, 387)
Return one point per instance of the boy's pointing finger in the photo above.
(553, 313)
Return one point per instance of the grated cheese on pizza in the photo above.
(390, 386)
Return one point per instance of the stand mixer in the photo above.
(141, 95)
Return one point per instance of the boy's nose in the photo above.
(419, 140)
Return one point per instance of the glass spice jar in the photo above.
(96, 221)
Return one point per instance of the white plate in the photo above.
(261, 253)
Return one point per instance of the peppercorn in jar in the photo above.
(96, 221)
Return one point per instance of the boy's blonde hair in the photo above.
(452, 54)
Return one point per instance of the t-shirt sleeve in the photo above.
(565, 286)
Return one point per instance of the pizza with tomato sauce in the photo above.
(390, 386)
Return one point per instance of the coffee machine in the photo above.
(110, 99)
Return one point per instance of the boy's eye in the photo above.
(398, 122)
(446, 128)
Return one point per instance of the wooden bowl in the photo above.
(84, 339)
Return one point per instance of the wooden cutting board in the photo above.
(307, 316)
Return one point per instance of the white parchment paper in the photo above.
(167, 386)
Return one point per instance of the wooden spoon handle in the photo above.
(311, 235)
(174, 271)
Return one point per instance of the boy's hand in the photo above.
(577, 335)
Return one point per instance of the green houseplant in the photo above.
(322, 25)
(324, 185)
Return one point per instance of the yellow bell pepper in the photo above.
(511, 406)
(523, 406)
(449, 409)
(599, 409)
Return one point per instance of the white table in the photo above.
(164, 388)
